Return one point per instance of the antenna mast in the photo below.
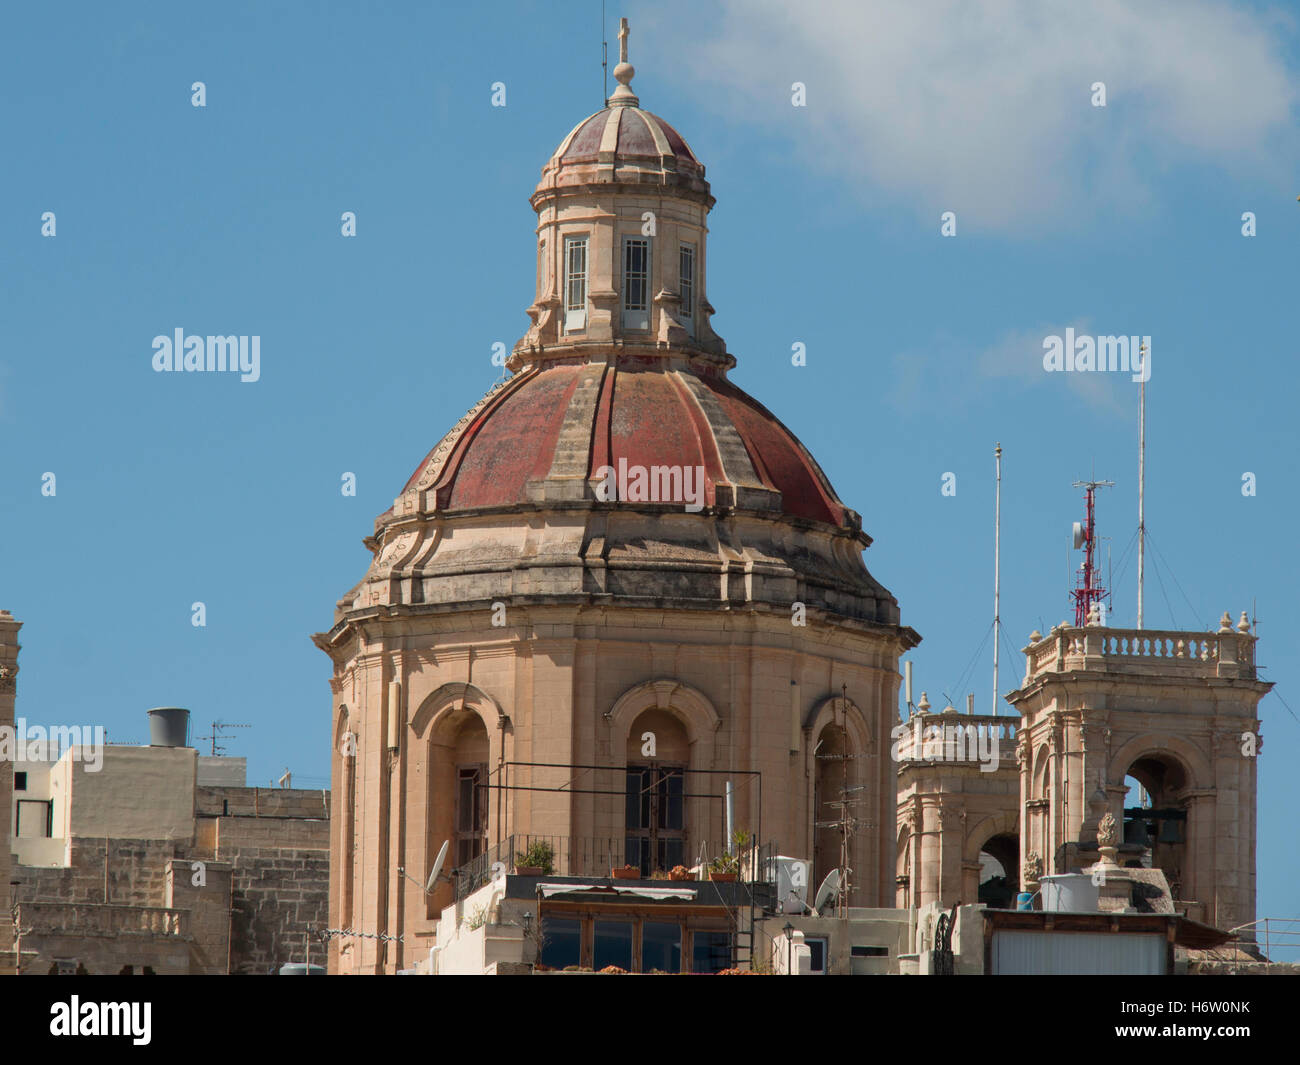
(1088, 590)
(997, 576)
(1142, 456)
(604, 56)
(218, 727)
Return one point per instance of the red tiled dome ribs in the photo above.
(566, 422)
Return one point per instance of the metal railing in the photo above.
(1274, 934)
(598, 856)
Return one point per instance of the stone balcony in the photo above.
(97, 919)
(963, 737)
(1228, 653)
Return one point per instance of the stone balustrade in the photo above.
(58, 918)
(1226, 653)
(979, 732)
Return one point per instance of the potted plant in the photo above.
(628, 872)
(537, 860)
(679, 872)
(726, 867)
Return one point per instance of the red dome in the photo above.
(627, 132)
(569, 420)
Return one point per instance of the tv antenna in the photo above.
(1088, 590)
(218, 727)
(846, 824)
(997, 575)
(1142, 478)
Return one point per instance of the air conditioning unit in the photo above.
(792, 884)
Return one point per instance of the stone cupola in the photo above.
(622, 228)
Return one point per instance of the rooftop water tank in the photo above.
(1069, 893)
(169, 726)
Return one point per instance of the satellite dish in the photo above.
(437, 866)
(1078, 535)
(830, 886)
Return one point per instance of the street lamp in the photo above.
(789, 939)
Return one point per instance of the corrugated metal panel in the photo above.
(1017, 953)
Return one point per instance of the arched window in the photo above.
(658, 752)
(470, 764)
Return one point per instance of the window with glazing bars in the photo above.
(471, 813)
(686, 280)
(654, 819)
(636, 275)
(575, 282)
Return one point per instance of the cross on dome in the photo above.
(623, 96)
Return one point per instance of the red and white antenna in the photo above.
(1088, 589)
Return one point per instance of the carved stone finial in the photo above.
(1106, 833)
(1225, 623)
(623, 96)
(924, 705)
(1032, 869)
(1035, 636)
(1243, 625)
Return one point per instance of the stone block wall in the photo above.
(278, 895)
(261, 802)
(264, 883)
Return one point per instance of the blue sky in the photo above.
(923, 351)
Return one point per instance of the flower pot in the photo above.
(674, 875)
(528, 870)
(626, 873)
(723, 878)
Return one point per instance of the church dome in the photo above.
(565, 423)
(618, 462)
(623, 143)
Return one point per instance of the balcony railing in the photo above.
(1193, 654)
(61, 918)
(963, 738)
(598, 856)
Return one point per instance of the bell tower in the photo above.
(1173, 711)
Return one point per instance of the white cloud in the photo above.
(954, 371)
(984, 107)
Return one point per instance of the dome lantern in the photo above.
(622, 210)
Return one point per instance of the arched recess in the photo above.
(694, 713)
(1158, 744)
(457, 728)
(1170, 769)
(838, 748)
(997, 835)
(688, 704)
(903, 866)
(1040, 779)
